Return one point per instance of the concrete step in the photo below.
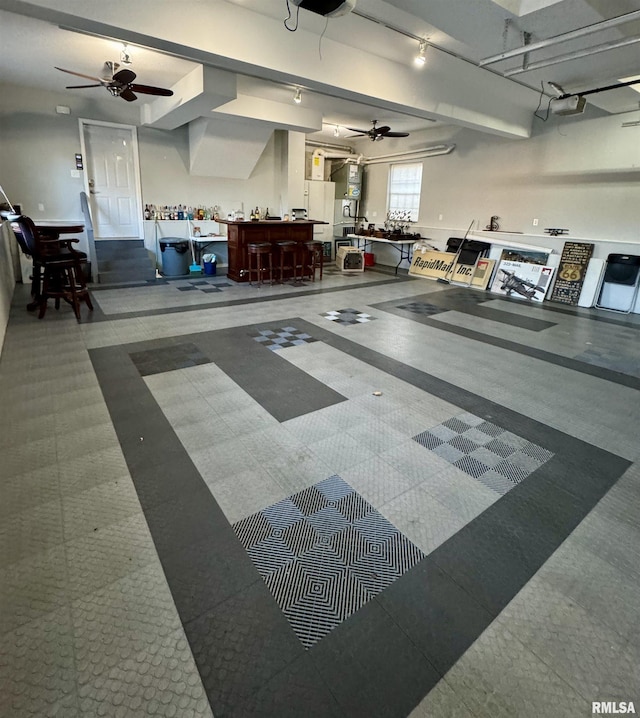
(124, 275)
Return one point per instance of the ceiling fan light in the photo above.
(297, 98)
(421, 57)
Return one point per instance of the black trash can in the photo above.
(175, 257)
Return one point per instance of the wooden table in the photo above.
(241, 233)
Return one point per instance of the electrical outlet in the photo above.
(440, 217)
(535, 222)
(40, 207)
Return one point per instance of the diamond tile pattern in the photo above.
(324, 553)
(347, 316)
(422, 308)
(203, 285)
(276, 339)
(178, 356)
(494, 456)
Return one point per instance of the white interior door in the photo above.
(112, 176)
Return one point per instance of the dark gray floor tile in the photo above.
(240, 646)
(296, 691)
(354, 661)
(439, 617)
(204, 574)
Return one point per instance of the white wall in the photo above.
(582, 175)
(38, 148)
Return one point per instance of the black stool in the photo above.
(260, 250)
(315, 258)
(289, 251)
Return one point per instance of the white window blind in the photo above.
(405, 183)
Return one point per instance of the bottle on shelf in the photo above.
(147, 212)
(180, 212)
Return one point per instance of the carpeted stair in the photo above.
(123, 260)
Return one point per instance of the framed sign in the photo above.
(573, 267)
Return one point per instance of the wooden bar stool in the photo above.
(315, 258)
(260, 250)
(289, 259)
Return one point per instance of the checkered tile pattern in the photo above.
(422, 308)
(347, 316)
(208, 287)
(276, 339)
(178, 356)
(492, 455)
(324, 553)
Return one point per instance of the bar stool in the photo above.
(315, 257)
(259, 250)
(289, 251)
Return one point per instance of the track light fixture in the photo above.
(297, 98)
(421, 57)
(125, 58)
(556, 88)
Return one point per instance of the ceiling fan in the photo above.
(377, 133)
(120, 84)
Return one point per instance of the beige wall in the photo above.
(583, 175)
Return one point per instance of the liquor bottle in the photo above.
(147, 212)
(180, 212)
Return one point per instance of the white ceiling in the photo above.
(470, 30)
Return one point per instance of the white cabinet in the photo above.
(319, 203)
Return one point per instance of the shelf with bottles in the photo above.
(180, 212)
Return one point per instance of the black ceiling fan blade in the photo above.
(78, 87)
(150, 90)
(355, 129)
(124, 77)
(396, 134)
(128, 95)
(79, 74)
(384, 130)
(350, 137)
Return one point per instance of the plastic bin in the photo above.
(209, 262)
(369, 259)
(175, 257)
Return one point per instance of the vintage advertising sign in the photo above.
(440, 265)
(522, 280)
(571, 273)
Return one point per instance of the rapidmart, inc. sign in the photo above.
(441, 265)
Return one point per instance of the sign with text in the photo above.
(441, 265)
(522, 280)
(571, 273)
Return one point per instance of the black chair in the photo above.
(58, 271)
(622, 273)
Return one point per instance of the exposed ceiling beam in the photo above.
(572, 56)
(565, 37)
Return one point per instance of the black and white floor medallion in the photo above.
(324, 553)
(494, 456)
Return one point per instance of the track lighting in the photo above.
(421, 57)
(556, 88)
(125, 58)
(297, 98)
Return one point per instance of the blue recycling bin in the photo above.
(209, 261)
(175, 257)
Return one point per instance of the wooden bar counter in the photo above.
(241, 233)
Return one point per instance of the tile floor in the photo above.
(216, 502)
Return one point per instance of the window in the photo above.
(405, 182)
